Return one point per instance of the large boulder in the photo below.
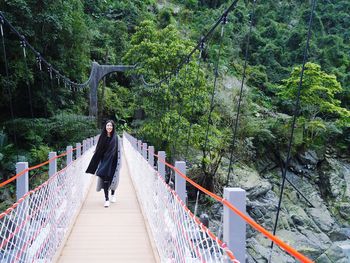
(312, 230)
(259, 250)
(309, 158)
(248, 179)
(322, 218)
(306, 242)
(335, 179)
(344, 210)
(334, 254)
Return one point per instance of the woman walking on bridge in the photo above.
(106, 160)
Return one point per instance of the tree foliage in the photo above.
(176, 111)
(156, 36)
(318, 93)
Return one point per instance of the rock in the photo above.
(306, 188)
(231, 82)
(297, 220)
(346, 173)
(335, 254)
(335, 179)
(339, 234)
(300, 219)
(250, 180)
(308, 243)
(309, 157)
(298, 168)
(345, 246)
(323, 259)
(259, 249)
(257, 212)
(346, 231)
(322, 218)
(313, 231)
(257, 209)
(259, 190)
(344, 210)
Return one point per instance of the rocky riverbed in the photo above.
(318, 227)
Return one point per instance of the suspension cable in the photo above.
(296, 111)
(3, 45)
(251, 17)
(239, 213)
(23, 45)
(38, 61)
(216, 75)
(167, 108)
(197, 47)
(52, 88)
(196, 84)
(28, 45)
(8, 88)
(180, 112)
(211, 108)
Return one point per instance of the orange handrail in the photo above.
(34, 167)
(246, 218)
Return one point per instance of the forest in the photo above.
(193, 116)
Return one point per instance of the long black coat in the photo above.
(105, 162)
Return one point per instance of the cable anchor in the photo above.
(49, 69)
(23, 45)
(1, 23)
(223, 23)
(201, 46)
(38, 60)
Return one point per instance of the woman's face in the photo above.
(109, 127)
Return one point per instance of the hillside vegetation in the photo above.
(178, 116)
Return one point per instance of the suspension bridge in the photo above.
(63, 219)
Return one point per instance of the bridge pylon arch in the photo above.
(97, 73)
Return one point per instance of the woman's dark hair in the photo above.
(102, 141)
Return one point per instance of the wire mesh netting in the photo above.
(33, 229)
(178, 234)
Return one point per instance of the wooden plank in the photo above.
(114, 234)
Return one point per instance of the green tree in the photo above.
(59, 31)
(322, 117)
(158, 52)
(178, 105)
(318, 93)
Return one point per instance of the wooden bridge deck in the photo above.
(114, 234)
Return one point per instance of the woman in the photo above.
(105, 160)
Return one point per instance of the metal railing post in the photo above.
(69, 154)
(235, 227)
(84, 146)
(52, 164)
(161, 165)
(22, 210)
(134, 143)
(144, 150)
(78, 153)
(22, 182)
(139, 146)
(180, 183)
(151, 155)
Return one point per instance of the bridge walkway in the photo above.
(114, 234)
